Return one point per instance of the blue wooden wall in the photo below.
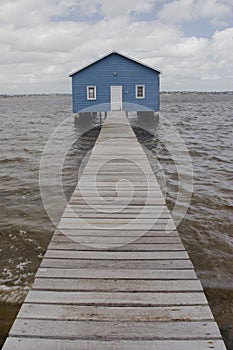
(129, 74)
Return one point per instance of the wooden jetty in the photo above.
(116, 274)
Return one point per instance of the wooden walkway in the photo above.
(116, 274)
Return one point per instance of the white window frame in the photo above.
(136, 91)
(88, 94)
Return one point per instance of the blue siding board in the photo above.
(129, 74)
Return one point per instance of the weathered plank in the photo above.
(159, 234)
(130, 211)
(116, 274)
(160, 223)
(122, 239)
(94, 214)
(116, 285)
(125, 256)
(140, 314)
(104, 209)
(142, 180)
(122, 184)
(121, 201)
(108, 330)
(115, 298)
(120, 264)
(71, 245)
(114, 194)
(80, 344)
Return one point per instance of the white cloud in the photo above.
(122, 7)
(106, 8)
(25, 13)
(176, 11)
(222, 54)
(179, 11)
(212, 9)
(223, 42)
(40, 43)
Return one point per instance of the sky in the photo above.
(43, 41)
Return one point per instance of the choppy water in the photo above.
(205, 123)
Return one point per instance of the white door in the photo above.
(116, 98)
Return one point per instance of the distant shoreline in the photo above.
(161, 93)
(32, 95)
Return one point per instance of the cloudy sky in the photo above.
(42, 41)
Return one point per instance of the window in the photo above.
(140, 91)
(91, 92)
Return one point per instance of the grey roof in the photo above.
(114, 52)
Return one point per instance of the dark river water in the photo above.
(202, 124)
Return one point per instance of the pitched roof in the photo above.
(109, 54)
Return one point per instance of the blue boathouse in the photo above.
(115, 82)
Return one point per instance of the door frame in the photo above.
(119, 88)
